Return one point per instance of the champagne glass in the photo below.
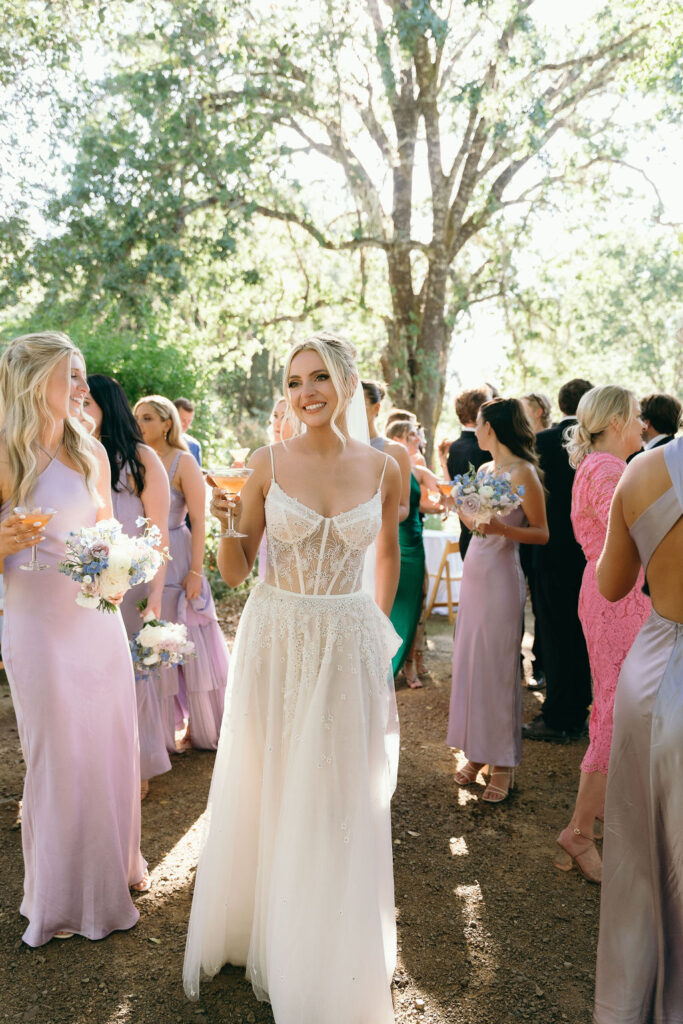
(38, 516)
(445, 488)
(231, 480)
(239, 455)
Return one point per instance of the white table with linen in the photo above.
(434, 544)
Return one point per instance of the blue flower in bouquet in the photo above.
(107, 562)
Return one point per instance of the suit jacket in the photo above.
(562, 548)
(461, 453)
(662, 440)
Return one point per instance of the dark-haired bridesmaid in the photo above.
(486, 700)
(139, 488)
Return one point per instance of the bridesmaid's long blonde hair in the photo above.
(25, 366)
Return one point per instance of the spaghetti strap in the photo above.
(174, 466)
(384, 469)
(272, 464)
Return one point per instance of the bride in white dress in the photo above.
(295, 877)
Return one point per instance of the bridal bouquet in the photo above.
(481, 493)
(160, 643)
(107, 562)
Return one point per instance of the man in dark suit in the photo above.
(465, 450)
(661, 416)
(559, 566)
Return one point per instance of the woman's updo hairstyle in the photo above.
(400, 429)
(596, 410)
(339, 359)
(374, 391)
(543, 403)
(509, 422)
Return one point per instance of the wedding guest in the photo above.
(640, 948)
(186, 415)
(661, 416)
(538, 409)
(407, 608)
(373, 394)
(295, 878)
(281, 428)
(398, 414)
(139, 489)
(486, 699)
(606, 433)
(193, 692)
(69, 667)
(442, 449)
(465, 452)
(558, 571)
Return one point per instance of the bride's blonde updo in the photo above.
(339, 358)
(25, 367)
(596, 410)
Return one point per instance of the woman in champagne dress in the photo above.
(69, 668)
(139, 490)
(640, 949)
(295, 876)
(607, 432)
(485, 720)
(194, 692)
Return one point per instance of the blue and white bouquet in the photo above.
(107, 562)
(160, 643)
(479, 494)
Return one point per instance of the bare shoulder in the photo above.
(525, 473)
(149, 458)
(99, 451)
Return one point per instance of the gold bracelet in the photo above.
(195, 573)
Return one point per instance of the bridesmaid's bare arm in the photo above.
(388, 556)
(156, 499)
(103, 485)
(190, 481)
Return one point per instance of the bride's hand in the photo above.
(221, 502)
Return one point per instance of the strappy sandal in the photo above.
(144, 885)
(495, 794)
(467, 775)
(565, 860)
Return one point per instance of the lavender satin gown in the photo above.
(485, 720)
(200, 683)
(640, 949)
(72, 684)
(154, 759)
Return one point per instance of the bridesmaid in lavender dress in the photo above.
(195, 691)
(486, 700)
(139, 489)
(69, 668)
(640, 949)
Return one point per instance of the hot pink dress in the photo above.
(71, 678)
(610, 627)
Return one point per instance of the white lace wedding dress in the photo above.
(295, 876)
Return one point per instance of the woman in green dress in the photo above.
(405, 614)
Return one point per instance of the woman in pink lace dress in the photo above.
(607, 432)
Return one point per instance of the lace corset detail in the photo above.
(309, 553)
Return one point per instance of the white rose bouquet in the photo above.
(479, 494)
(160, 643)
(107, 562)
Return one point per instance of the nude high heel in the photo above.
(587, 861)
(496, 794)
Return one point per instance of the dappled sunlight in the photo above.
(458, 846)
(482, 949)
(173, 871)
(122, 1014)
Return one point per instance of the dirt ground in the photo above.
(489, 931)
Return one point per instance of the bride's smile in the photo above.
(311, 391)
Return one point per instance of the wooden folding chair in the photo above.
(451, 547)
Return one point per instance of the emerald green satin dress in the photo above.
(405, 613)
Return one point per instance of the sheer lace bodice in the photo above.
(312, 554)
